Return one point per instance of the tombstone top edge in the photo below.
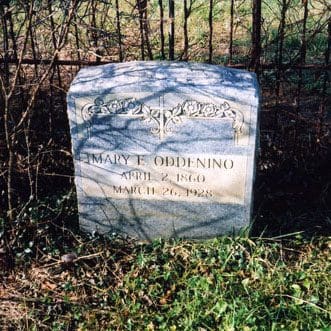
(161, 75)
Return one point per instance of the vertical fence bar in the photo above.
(326, 81)
(281, 37)
(33, 48)
(146, 29)
(303, 48)
(94, 31)
(141, 29)
(119, 34)
(77, 42)
(161, 24)
(87, 31)
(210, 20)
(161, 29)
(231, 32)
(12, 33)
(51, 78)
(303, 51)
(5, 43)
(186, 15)
(13, 39)
(50, 10)
(172, 30)
(256, 36)
(327, 60)
(51, 104)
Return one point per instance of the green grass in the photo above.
(229, 283)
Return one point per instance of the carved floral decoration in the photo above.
(163, 119)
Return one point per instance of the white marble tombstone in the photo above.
(164, 149)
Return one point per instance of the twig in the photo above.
(85, 257)
(305, 301)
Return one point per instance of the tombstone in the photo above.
(164, 149)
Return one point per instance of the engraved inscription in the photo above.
(199, 178)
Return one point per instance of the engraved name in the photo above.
(160, 161)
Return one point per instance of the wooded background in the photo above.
(45, 42)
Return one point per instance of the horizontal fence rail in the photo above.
(271, 66)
